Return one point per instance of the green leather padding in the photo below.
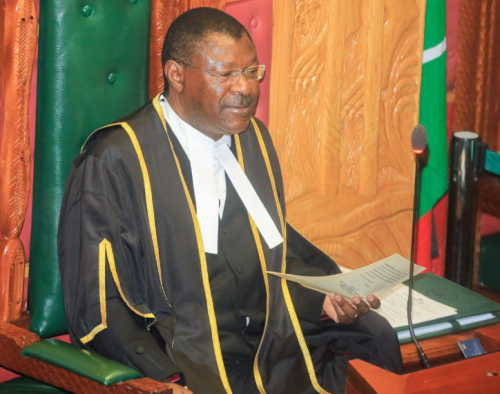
(92, 69)
(24, 385)
(489, 257)
(82, 362)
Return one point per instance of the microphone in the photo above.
(418, 139)
(418, 144)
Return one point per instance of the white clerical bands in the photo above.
(207, 195)
(250, 199)
(205, 192)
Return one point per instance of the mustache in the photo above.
(241, 101)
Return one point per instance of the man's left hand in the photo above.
(341, 311)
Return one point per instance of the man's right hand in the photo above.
(176, 389)
(341, 311)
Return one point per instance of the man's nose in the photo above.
(241, 85)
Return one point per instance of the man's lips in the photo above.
(241, 104)
(240, 109)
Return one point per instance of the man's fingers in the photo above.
(362, 306)
(344, 307)
(344, 312)
(341, 316)
(373, 301)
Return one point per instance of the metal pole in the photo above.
(462, 205)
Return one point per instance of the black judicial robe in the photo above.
(139, 225)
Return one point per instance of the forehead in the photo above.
(222, 49)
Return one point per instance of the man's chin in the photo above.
(236, 126)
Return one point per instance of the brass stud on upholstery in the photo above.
(111, 78)
(87, 10)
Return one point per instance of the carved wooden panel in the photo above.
(163, 13)
(345, 90)
(2, 22)
(20, 40)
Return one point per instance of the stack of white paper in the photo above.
(376, 278)
(424, 309)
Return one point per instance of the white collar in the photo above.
(189, 138)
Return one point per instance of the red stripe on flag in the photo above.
(423, 241)
(440, 218)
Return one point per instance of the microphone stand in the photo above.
(416, 198)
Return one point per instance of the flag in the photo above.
(434, 181)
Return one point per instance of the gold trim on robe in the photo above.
(106, 251)
(286, 292)
(102, 294)
(203, 261)
(149, 198)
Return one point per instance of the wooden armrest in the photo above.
(82, 362)
(12, 341)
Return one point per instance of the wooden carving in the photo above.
(163, 12)
(345, 90)
(20, 38)
(2, 29)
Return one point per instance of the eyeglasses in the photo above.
(253, 73)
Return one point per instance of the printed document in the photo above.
(376, 278)
(393, 307)
(382, 279)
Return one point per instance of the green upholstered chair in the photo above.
(92, 70)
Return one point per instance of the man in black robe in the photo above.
(151, 280)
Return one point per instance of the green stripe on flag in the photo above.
(435, 23)
(433, 109)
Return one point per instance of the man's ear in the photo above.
(175, 75)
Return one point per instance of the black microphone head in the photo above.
(419, 139)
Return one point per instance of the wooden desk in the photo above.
(455, 374)
(442, 350)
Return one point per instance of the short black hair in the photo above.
(187, 31)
